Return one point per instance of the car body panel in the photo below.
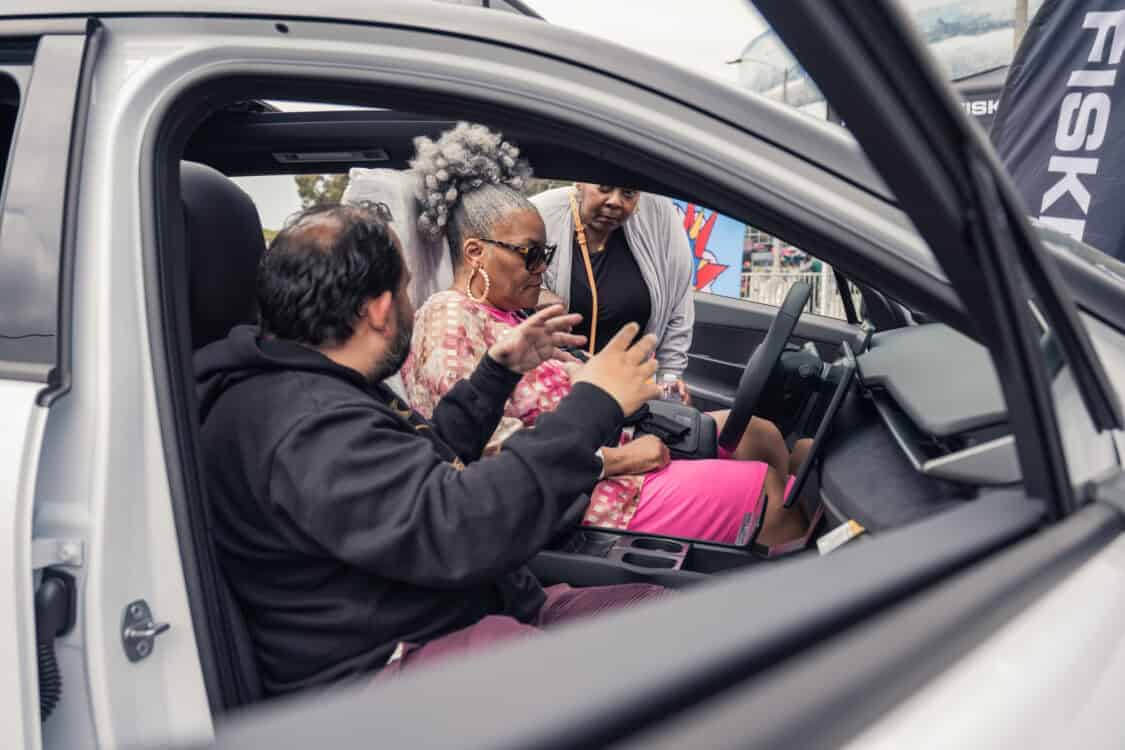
(21, 437)
(1022, 694)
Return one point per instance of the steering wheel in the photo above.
(762, 363)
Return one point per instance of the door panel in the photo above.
(21, 433)
(728, 330)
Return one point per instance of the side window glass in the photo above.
(39, 80)
(736, 260)
(9, 111)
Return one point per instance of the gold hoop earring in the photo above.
(469, 285)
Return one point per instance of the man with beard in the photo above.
(355, 534)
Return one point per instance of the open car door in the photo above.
(43, 96)
(832, 650)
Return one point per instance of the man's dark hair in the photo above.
(321, 268)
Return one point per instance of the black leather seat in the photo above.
(225, 243)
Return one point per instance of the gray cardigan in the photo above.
(656, 236)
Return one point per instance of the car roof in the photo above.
(825, 144)
(358, 10)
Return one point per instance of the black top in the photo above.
(623, 296)
(346, 523)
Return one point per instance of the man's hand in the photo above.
(537, 339)
(623, 371)
(646, 453)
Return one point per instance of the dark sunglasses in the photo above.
(533, 255)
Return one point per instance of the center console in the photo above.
(593, 557)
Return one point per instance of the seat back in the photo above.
(225, 243)
(429, 263)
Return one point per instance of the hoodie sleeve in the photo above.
(375, 494)
(466, 417)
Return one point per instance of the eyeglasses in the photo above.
(533, 255)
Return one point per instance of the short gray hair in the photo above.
(470, 179)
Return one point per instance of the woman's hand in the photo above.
(646, 453)
(548, 298)
(537, 339)
(682, 392)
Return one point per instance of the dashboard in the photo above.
(923, 429)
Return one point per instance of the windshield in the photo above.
(1059, 242)
(973, 41)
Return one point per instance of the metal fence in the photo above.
(770, 287)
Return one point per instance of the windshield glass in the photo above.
(1060, 242)
(973, 41)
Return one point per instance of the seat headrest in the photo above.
(429, 263)
(225, 243)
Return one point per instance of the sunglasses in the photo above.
(533, 255)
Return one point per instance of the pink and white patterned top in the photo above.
(451, 335)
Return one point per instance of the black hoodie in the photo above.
(346, 523)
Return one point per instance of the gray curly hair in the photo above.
(470, 179)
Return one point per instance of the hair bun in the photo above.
(460, 161)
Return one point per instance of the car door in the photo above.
(41, 111)
(838, 643)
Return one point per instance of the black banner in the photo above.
(1060, 124)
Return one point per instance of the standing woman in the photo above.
(624, 256)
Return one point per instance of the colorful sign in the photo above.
(716, 244)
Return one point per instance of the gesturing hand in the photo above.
(624, 370)
(537, 339)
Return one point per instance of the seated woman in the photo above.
(472, 195)
(623, 255)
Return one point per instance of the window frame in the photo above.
(41, 186)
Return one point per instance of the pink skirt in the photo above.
(706, 499)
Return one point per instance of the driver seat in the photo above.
(225, 243)
(429, 262)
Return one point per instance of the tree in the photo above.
(320, 189)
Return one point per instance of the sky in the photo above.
(701, 35)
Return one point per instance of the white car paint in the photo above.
(21, 434)
(1050, 678)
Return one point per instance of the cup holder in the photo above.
(648, 561)
(661, 545)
